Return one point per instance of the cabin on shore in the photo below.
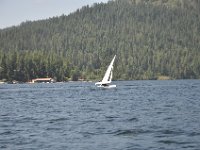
(43, 80)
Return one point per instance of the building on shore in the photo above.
(43, 80)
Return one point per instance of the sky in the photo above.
(13, 12)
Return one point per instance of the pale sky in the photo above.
(13, 12)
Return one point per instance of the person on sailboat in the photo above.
(105, 85)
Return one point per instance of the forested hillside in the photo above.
(151, 38)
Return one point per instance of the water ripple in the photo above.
(139, 115)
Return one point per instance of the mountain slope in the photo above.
(149, 37)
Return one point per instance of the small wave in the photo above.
(133, 119)
(3, 146)
(53, 129)
(168, 118)
(171, 132)
(6, 133)
(23, 119)
(130, 85)
(57, 120)
(88, 122)
(130, 132)
(111, 118)
(189, 147)
(194, 134)
(92, 89)
(89, 134)
(173, 142)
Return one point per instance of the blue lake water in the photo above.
(137, 115)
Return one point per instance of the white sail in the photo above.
(111, 75)
(108, 75)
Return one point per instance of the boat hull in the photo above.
(107, 87)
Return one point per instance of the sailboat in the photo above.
(107, 79)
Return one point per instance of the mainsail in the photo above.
(108, 75)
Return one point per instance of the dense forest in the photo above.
(151, 38)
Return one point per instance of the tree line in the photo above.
(151, 38)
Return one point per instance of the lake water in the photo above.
(138, 115)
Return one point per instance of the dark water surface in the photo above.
(138, 115)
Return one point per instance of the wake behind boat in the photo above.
(107, 79)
